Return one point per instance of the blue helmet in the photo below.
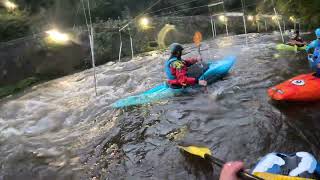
(318, 33)
(175, 47)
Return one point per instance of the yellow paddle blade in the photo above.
(197, 38)
(198, 151)
(269, 176)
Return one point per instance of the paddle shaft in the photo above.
(199, 51)
(242, 174)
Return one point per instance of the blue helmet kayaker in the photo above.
(316, 53)
(176, 68)
(316, 43)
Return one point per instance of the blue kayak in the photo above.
(216, 70)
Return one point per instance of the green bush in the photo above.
(13, 26)
(7, 90)
(103, 46)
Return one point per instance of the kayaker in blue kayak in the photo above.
(316, 46)
(177, 69)
(300, 164)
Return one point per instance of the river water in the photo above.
(61, 130)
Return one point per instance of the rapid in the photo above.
(61, 130)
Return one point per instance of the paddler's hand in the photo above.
(203, 83)
(230, 170)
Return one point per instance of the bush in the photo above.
(13, 26)
(23, 84)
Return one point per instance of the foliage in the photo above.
(7, 90)
(103, 47)
(307, 11)
(35, 6)
(13, 26)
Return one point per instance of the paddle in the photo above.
(197, 38)
(205, 153)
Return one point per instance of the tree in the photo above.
(308, 11)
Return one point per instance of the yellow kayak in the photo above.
(285, 47)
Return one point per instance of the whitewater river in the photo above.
(61, 130)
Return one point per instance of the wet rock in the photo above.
(129, 147)
(174, 115)
(160, 130)
(178, 134)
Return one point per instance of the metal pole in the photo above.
(85, 15)
(131, 47)
(284, 26)
(91, 39)
(212, 29)
(226, 21)
(131, 43)
(245, 28)
(275, 12)
(244, 21)
(215, 29)
(227, 27)
(93, 61)
(120, 49)
(294, 26)
(258, 25)
(265, 25)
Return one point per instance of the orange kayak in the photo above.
(305, 87)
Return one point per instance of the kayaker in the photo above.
(230, 170)
(297, 40)
(176, 69)
(316, 46)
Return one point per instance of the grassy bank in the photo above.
(18, 87)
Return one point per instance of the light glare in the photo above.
(10, 5)
(57, 37)
(223, 18)
(292, 18)
(144, 22)
(274, 18)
